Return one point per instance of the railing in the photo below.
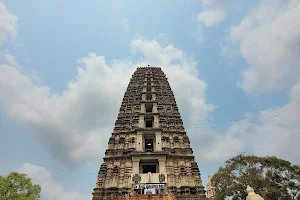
(151, 178)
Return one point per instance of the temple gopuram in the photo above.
(149, 154)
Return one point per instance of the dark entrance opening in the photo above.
(149, 168)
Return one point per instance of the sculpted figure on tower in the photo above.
(149, 151)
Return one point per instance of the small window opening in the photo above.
(149, 122)
(116, 170)
(148, 89)
(149, 107)
(149, 145)
(149, 168)
(182, 170)
(148, 81)
(176, 140)
(149, 96)
(132, 140)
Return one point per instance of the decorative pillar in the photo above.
(139, 138)
(144, 97)
(162, 165)
(142, 121)
(143, 107)
(135, 165)
(153, 96)
(156, 125)
(158, 141)
(154, 107)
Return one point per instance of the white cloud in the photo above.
(162, 38)
(276, 133)
(281, 134)
(218, 147)
(225, 51)
(269, 39)
(125, 24)
(75, 125)
(214, 12)
(211, 17)
(7, 58)
(8, 24)
(50, 188)
(214, 2)
(189, 92)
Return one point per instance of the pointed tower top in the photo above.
(149, 148)
(250, 190)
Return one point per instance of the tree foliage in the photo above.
(18, 186)
(270, 177)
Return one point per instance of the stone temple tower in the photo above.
(149, 154)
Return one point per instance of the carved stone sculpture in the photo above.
(161, 178)
(136, 178)
(149, 148)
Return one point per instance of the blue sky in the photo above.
(64, 66)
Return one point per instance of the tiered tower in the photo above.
(149, 153)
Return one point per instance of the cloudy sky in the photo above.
(234, 67)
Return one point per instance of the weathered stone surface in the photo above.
(210, 188)
(149, 146)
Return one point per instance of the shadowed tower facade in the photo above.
(149, 153)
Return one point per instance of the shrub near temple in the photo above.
(270, 177)
(18, 186)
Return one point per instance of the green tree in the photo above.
(18, 186)
(270, 177)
